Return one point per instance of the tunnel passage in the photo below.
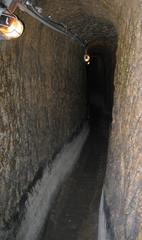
(43, 103)
(74, 211)
(51, 106)
(100, 83)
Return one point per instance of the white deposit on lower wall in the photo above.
(39, 202)
(102, 233)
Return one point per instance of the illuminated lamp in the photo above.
(87, 58)
(10, 26)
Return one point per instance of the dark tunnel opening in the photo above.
(100, 84)
(75, 210)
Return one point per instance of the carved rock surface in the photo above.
(42, 103)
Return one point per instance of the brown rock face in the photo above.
(43, 102)
(42, 105)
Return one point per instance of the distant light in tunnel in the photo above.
(86, 57)
(10, 26)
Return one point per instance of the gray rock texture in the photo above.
(42, 103)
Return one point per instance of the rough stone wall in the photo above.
(97, 21)
(123, 184)
(39, 109)
(42, 103)
(122, 196)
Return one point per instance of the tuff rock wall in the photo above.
(117, 23)
(42, 105)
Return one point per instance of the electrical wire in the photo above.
(28, 7)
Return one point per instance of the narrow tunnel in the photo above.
(70, 128)
(74, 212)
(100, 85)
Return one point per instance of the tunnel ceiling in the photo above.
(87, 18)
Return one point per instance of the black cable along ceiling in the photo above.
(8, 18)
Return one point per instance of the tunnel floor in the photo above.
(74, 214)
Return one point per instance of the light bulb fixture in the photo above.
(87, 58)
(10, 26)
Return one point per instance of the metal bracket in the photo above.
(28, 7)
(36, 12)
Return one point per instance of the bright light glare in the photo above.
(11, 27)
(86, 58)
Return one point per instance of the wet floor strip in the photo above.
(74, 213)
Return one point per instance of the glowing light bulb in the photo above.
(10, 26)
(86, 58)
